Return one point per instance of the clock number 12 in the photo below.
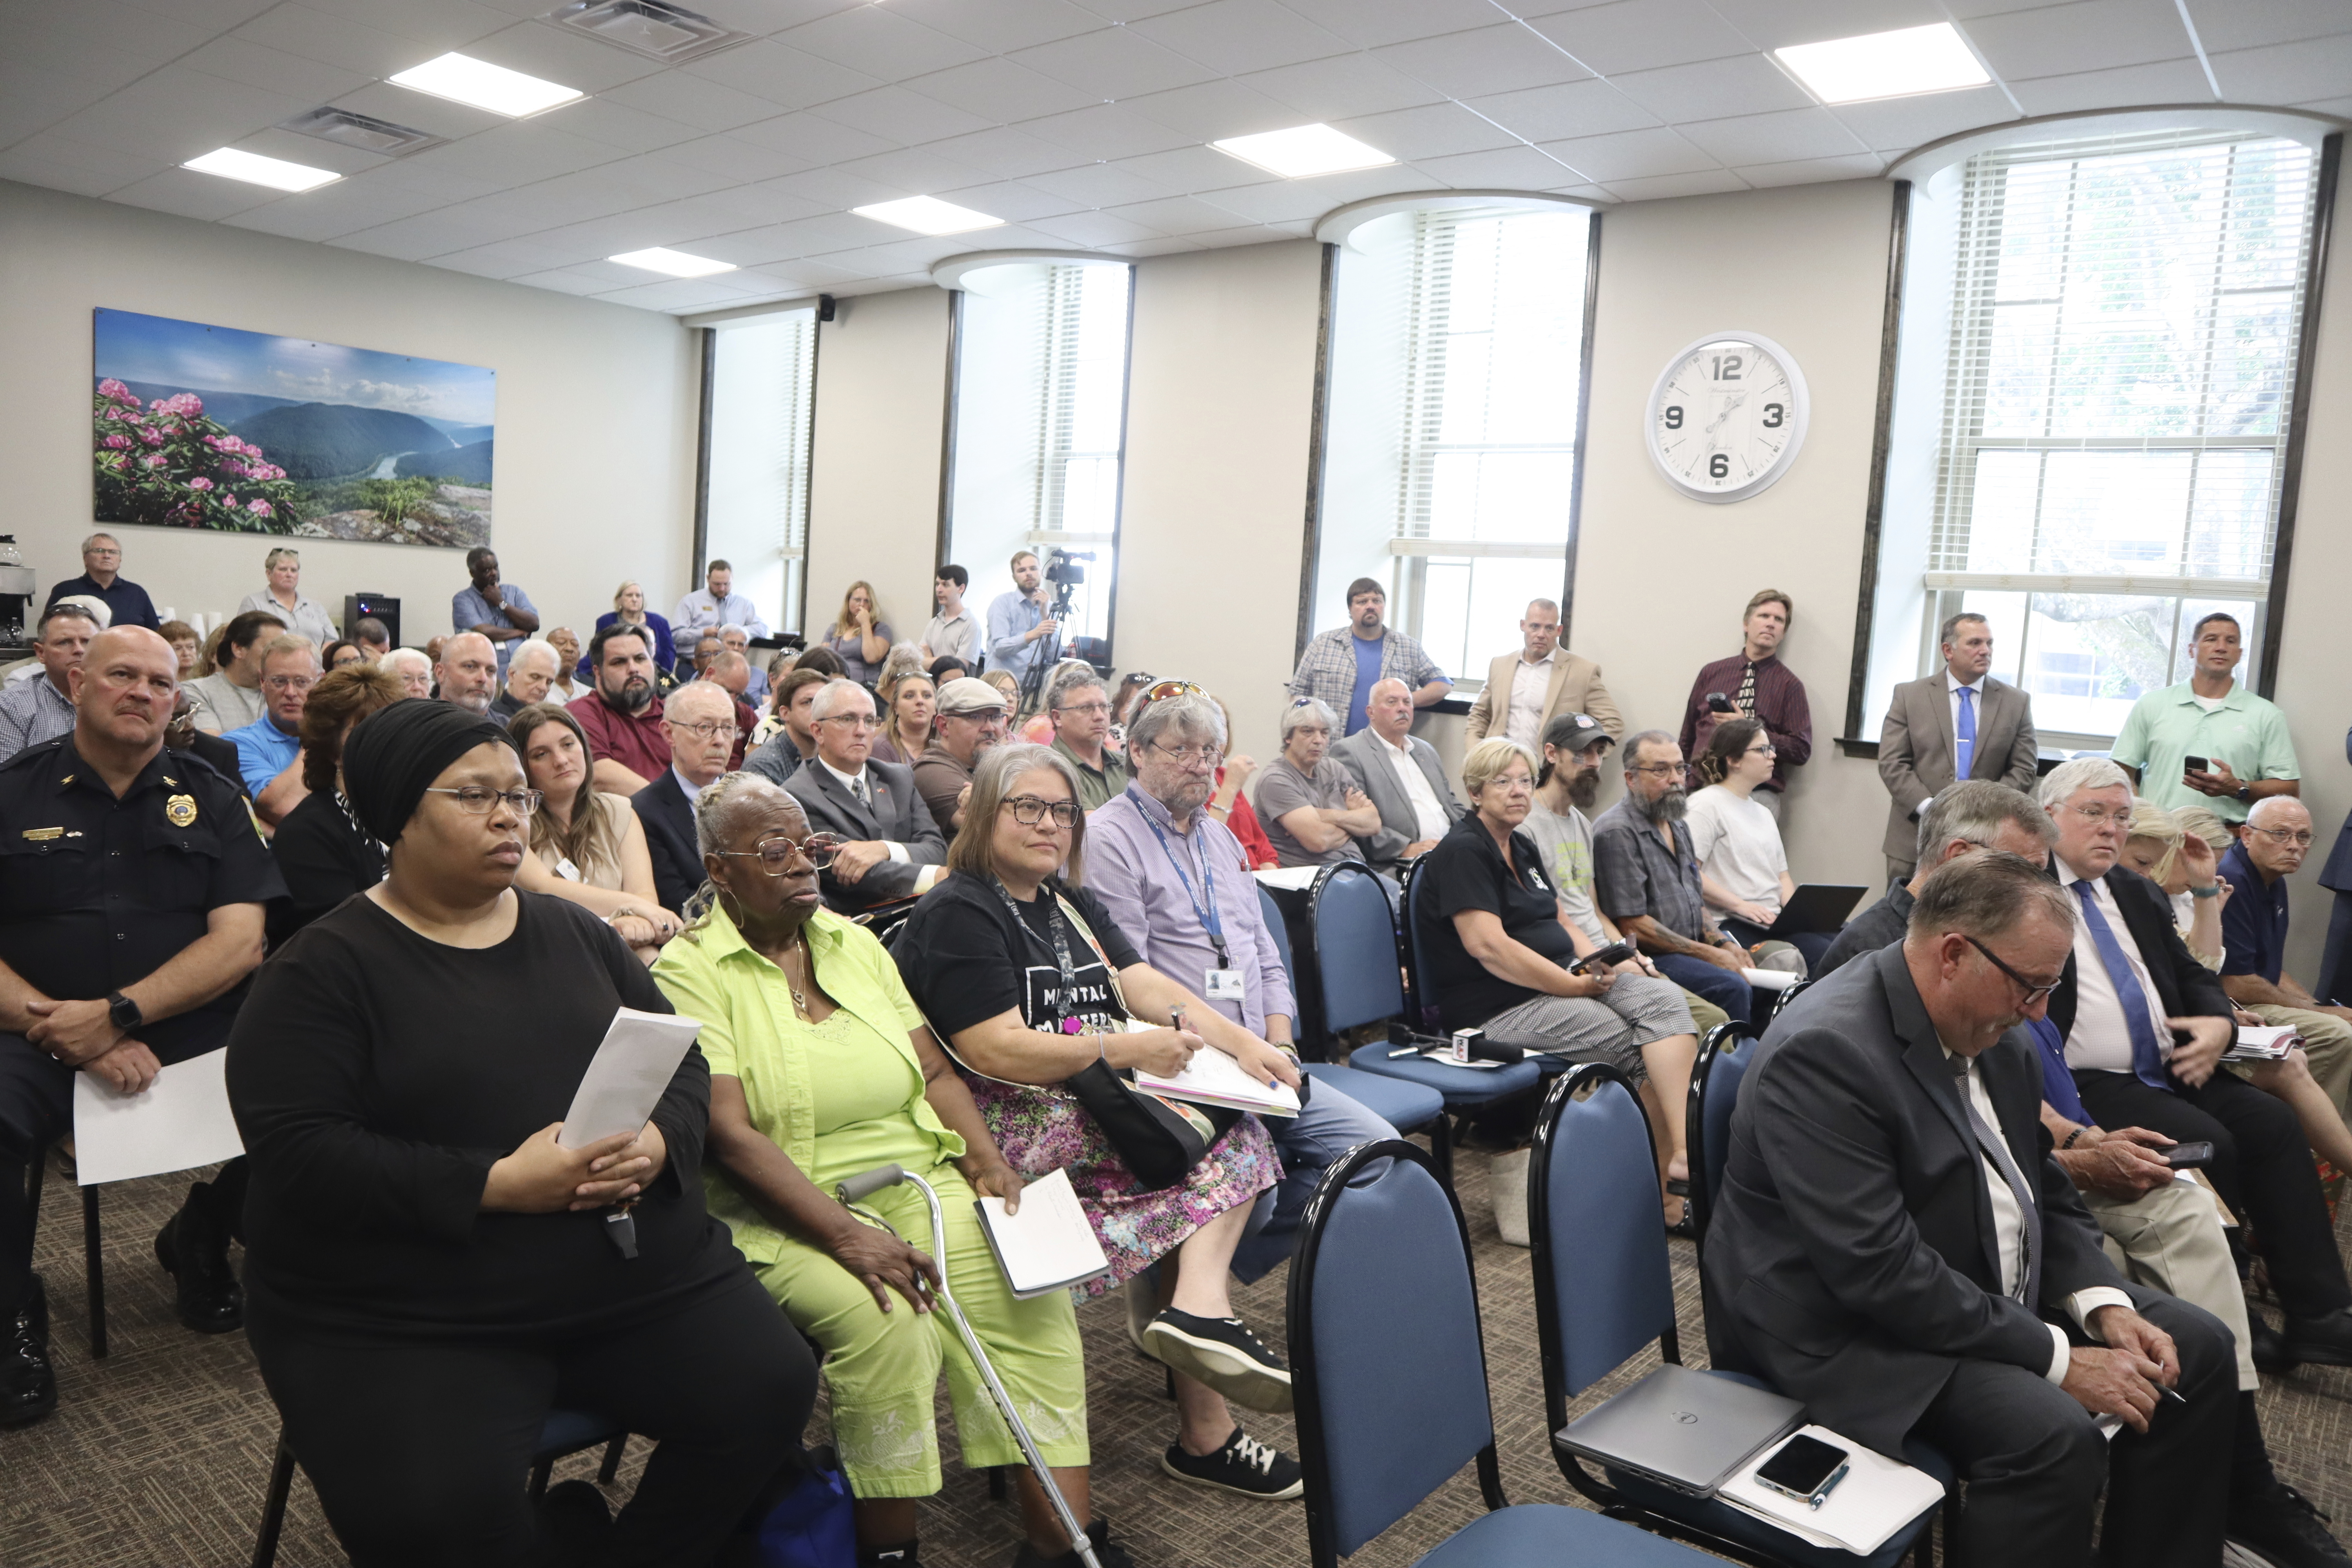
(1726, 367)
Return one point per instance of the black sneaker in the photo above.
(2284, 1530)
(1222, 1354)
(2269, 1346)
(1106, 1553)
(1244, 1464)
(28, 1384)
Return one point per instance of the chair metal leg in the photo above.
(273, 1507)
(93, 1271)
(996, 1483)
(34, 1180)
(612, 1465)
(1440, 1149)
(540, 1473)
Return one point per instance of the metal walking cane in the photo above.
(874, 1180)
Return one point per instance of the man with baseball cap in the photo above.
(969, 720)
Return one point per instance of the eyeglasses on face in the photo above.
(856, 721)
(1658, 769)
(775, 855)
(476, 801)
(705, 732)
(2099, 817)
(1029, 810)
(1191, 756)
(1763, 749)
(2283, 836)
(290, 682)
(1096, 707)
(2032, 993)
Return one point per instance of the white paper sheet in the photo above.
(2263, 1043)
(1878, 1497)
(1291, 878)
(181, 1122)
(633, 1067)
(1212, 1078)
(1769, 979)
(1047, 1245)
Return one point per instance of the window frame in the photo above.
(792, 614)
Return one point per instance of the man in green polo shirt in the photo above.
(2209, 741)
(1080, 712)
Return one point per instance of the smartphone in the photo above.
(1717, 702)
(2196, 764)
(1600, 958)
(1805, 1469)
(2188, 1156)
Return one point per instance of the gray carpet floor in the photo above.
(159, 1453)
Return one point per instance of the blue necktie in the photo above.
(2148, 1057)
(1966, 731)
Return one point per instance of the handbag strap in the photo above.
(1022, 927)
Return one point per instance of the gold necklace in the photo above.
(799, 997)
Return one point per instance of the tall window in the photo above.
(1456, 360)
(1041, 429)
(2123, 322)
(756, 445)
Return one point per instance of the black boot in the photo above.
(28, 1385)
(2265, 1513)
(193, 1247)
(1098, 1536)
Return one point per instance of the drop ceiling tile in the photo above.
(908, 253)
(813, 141)
(834, 191)
(1779, 137)
(1119, 12)
(1571, 109)
(175, 113)
(1746, 84)
(36, 91)
(1107, 131)
(1001, 92)
(1812, 171)
(732, 211)
(501, 259)
(1504, 169)
(441, 24)
(518, 153)
(1372, 23)
(2092, 34)
(1642, 35)
(692, 101)
(560, 55)
(1016, 201)
(585, 245)
(256, 65)
(630, 129)
(563, 280)
(2227, 25)
(879, 42)
(1630, 155)
(1900, 124)
(1001, 26)
(921, 169)
(443, 183)
(1176, 216)
(901, 113)
(340, 41)
(417, 239)
(1006, 152)
(758, 17)
(802, 236)
(319, 154)
(1144, 250)
(418, 111)
(1098, 185)
(1597, 194)
(2166, 81)
(1776, 24)
(61, 163)
(1253, 234)
(1196, 168)
(345, 207)
(1215, 110)
(677, 294)
(1304, 200)
(1342, 88)
(206, 15)
(188, 194)
(806, 273)
(1115, 63)
(1434, 131)
(2339, 106)
(107, 27)
(1233, 36)
(2286, 73)
(1660, 186)
(1092, 229)
(790, 77)
(1505, 59)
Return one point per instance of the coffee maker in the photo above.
(17, 611)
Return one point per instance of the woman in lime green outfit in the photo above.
(821, 1068)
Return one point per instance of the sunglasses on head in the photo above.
(1172, 689)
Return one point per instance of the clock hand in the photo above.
(1737, 399)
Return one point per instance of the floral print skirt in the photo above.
(1042, 1131)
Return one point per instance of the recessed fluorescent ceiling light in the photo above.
(1909, 60)
(676, 263)
(1304, 149)
(928, 215)
(257, 169)
(485, 85)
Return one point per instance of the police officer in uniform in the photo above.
(131, 886)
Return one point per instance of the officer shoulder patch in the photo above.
(180, 810)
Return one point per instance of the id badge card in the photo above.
(1224, 986)
(566, 870)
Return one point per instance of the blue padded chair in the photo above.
(1377, 1431)
(1421, 1001)
(1407, 1107)
(565, 1433)
(1722, 1061)
(1784, 998)
(1604, 1292)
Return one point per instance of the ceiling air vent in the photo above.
(649, 27)
(363, 131)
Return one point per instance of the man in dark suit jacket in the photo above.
(1375, 757)
(1919, 747)
(703, 730)
(2262, 1164)
(1893, 1246)
(892, 848)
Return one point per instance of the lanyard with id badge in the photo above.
(1224, 982)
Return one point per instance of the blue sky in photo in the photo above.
(189, 354)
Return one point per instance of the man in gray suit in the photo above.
(1403, 776)
(1959, 723)
(1893, 1248)
(893, 850)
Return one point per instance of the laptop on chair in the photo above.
(1683, 1429)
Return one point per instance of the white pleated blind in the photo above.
(762, 391)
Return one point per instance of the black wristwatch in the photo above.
(123, 1011)
(2245, 792)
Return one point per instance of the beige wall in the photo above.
(597, 408)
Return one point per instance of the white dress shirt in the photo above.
(1427, 810)
(856, 784)
(1952, 699)
(1530, 683)
(2101, 1040)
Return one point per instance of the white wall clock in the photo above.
(1726, 416)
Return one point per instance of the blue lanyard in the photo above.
(1207, 917)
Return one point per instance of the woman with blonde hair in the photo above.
(859, 637)
(586, 846)
(909, 700)
(629, 607)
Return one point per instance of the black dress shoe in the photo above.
(2285, 1529)
(2269, 1346)
(2325, 1341)
(573, 1519)
(28, 1385)
(193, 1247)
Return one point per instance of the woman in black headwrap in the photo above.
(428, 1271)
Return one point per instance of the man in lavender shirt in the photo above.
(1176, 881)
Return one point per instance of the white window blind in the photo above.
(762, 403)
(2123, 331)
(1457, 356)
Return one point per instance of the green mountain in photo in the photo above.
(469, 464)
(326, 440)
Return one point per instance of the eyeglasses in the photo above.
(476, 801)
(1094, 708)
(290, 682)
(1763, 749)
(1657, 768)
(1191, 756)
(2032, 993)
(863, 721)
(2282, 835)
(1029, 810)
(775, 855)
(2103, 818)
(705, 732)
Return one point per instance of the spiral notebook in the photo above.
(1046, 1245)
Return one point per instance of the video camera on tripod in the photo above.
(1063, 571)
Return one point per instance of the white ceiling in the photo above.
(1081, 122)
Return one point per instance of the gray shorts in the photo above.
(1610, 1028)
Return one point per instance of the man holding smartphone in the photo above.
(2209, 741)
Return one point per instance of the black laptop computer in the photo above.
(1815, 907)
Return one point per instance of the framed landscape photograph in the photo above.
(212, 428)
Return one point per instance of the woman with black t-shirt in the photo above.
(428, 1272)
(320, 849)
(1025, 977)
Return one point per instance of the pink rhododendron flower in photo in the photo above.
(114, 391)
(200, 483)
(116, 443)
(259, 508)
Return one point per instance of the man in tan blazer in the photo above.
(1524, 690)
(1919, 749)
